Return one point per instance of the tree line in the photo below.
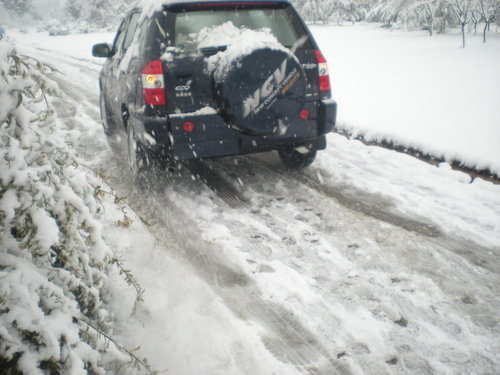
(99, 14)
(432, 15)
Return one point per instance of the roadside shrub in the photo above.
(54, 263)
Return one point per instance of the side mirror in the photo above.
(101, 50)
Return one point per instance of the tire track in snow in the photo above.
(377, 207)
(284, 336)
(218, 184)
(380, 208)
(374, 206)
(404, 257)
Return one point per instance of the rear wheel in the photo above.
(108, 123)
(109, 126)
(296, 158)
(147, 165)
(135, 153)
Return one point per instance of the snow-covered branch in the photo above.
(54, 262)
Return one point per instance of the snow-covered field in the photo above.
(416, 91)
(369, 262)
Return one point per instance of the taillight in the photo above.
(324, 75)
(304, 114)
(153, 83)
(188, 126)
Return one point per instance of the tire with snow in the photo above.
(137, 157)
(108, 123)
(145, 163)
(296, 158)
(261, 91)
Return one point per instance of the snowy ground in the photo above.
(370, 262)
(416, 91)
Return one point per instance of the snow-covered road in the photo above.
(369, 262)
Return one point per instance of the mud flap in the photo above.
(327, 116)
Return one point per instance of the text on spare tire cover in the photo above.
(276, 83)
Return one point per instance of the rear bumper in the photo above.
(212, 137)
(239, 146)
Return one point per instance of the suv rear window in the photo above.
(278, 21)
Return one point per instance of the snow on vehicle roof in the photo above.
(151, 6)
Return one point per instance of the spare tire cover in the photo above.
(261, 90)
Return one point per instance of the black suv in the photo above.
(194, 80)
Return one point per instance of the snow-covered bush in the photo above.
(54, 263)
(56, 27)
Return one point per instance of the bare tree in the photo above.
(462, 10)
(427, 12)
(475, 18)
(487, 10)
(325, 10)
(74, 9)
(392, 11)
